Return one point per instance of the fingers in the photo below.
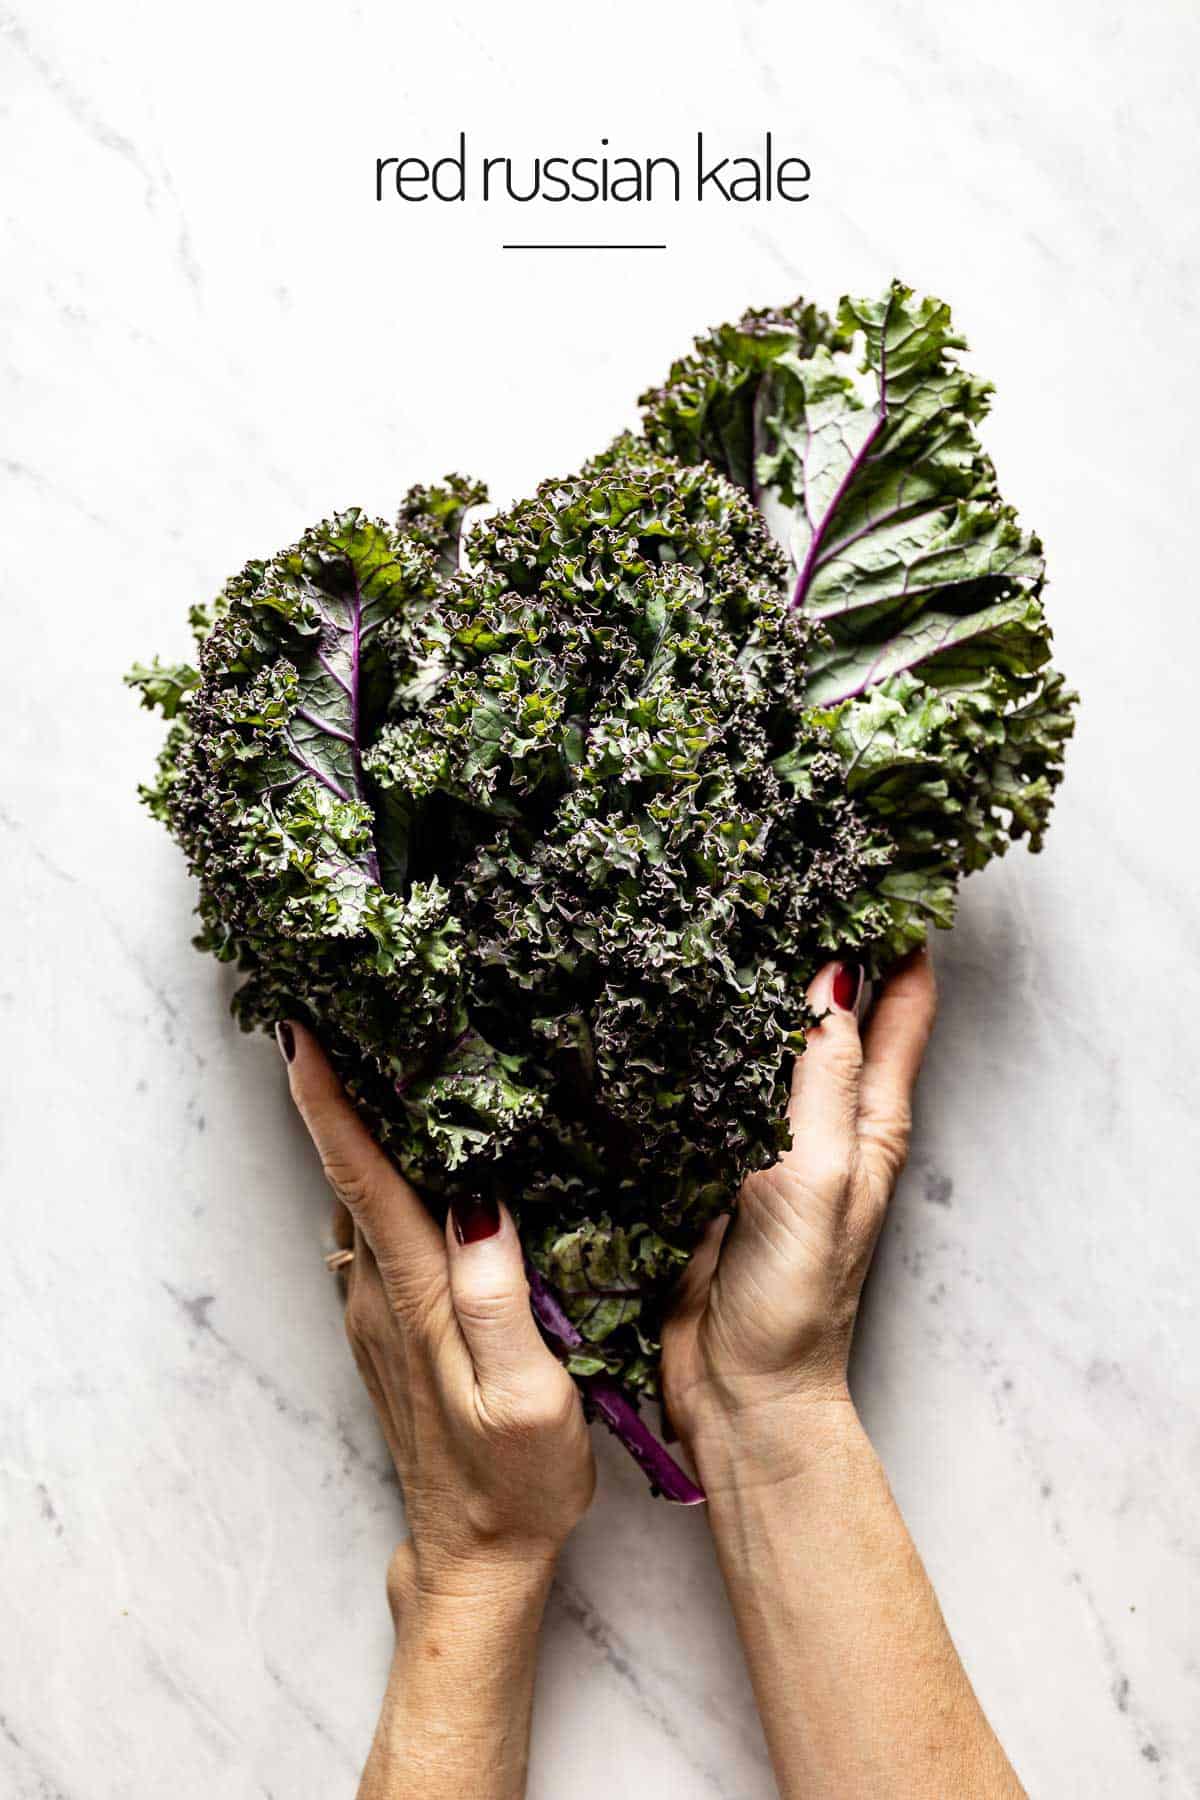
(392, 1218)
(823, 1109)
(490, 1296)
(895, 1044)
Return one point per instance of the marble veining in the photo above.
(211, 336)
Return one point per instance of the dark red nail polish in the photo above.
(285, 1037)
(847, 985)
(478, 1217)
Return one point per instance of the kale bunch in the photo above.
(545, 831)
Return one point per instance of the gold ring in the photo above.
(338, 1259)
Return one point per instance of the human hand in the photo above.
(484, 1426)
(858, 1684)
(767, 1307)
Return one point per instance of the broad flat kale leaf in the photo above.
(545, 831)
(710, 408)
(932, 673)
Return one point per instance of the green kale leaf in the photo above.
(932, 672)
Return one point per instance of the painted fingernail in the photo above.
(847, 985)
(285, 1037)
(478, 1217)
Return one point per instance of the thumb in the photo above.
(691, 1293)
(490, 1296)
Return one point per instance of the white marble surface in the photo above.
(213, 335)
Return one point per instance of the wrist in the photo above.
(756, 1438)
(455, 1717)
(489, 1587)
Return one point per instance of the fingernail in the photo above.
(478, 1217)
(847, 985)
(285, 1037)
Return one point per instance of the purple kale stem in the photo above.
(610, 1402)
(618, 1412)
(550, 1312)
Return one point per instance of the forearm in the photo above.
(455, 1719)
(858, 1683)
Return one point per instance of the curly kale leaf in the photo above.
(262, 783)
(435, 516)
(603, 1270)
(540, 887)
(590, 769)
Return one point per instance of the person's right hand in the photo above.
(767, 1306)
(484, 1425)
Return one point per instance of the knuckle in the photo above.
(522, 1421)
(861, 1235)
(427, 1316)
(554, 1400)
(833, 1059)
(485, 1306)
(842, 1050)
(827, 1165)
(350, 1183)
(888, 1135)
(364, 1362)
(368, 1320)
(822, 1164)
(354, 1318)
(411, 1292)
(538, 1408)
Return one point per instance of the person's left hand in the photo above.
(766, 1310)
(484, 1425)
